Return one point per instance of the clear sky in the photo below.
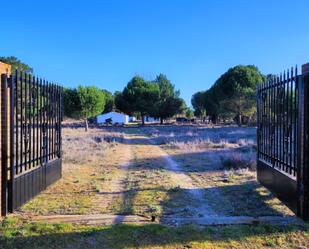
(105, 43)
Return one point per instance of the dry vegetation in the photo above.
(163, 172)
(89, 164)
(157, 171)
(221, 161)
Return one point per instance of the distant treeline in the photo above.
(157, 98)
(232, 96)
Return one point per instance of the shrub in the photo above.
(238, 160)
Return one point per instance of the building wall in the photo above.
(116, 117)
(5, 68)
(151, 119)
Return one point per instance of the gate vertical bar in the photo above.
(37, 121)
(21, 123)
(25, 124)
(40, 121)
(16, 123)
(11, 103)
(33, 120)
(61, 109)
(295, 143)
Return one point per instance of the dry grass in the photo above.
(94, 180)
(150, 189)
(239, 160)
(222, 161)
(221, 136)
(87, 166)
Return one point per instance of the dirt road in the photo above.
(137, 179)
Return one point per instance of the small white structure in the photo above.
(132, 119)
(151, 119)
(115, 117)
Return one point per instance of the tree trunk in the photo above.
(239, 119)
(161, 120)
(86, 124)
(214, 119)
(143, 120)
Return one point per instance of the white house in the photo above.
(115, 117)
(151, 119)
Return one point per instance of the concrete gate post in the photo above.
(304, 172)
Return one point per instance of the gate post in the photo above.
(304, 169)
(4, 143)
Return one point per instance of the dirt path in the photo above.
(114, 190)
(197, 206)
(184, 181)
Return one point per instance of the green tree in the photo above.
(169, 103)
(119, 102)
(109, 101)
(242, 102)
(233, 94)
(71, 103)
(202, 114)
(198, 102)
(138, 96)
(238, 87)
(92, 101)
(189, 113)
(17, 64)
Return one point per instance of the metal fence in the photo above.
(281, 137)
(277, 119)
(31, 137)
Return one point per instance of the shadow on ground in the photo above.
(36, 235)
(232, 200)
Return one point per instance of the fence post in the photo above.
(304, 172)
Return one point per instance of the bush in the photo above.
(238, 160)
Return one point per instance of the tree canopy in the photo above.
(91, 101)
(233, 94)
(169, 103)
(109, 101)
(138, 96)
(17, 64)
(71, 103)
(157, 98)
(83, 102)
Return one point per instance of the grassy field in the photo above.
(169, 172)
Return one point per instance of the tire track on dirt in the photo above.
(117, 185)
(199, 203)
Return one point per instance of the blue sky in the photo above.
(105, 43)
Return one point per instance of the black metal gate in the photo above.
(30, 137)
(282, 136)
